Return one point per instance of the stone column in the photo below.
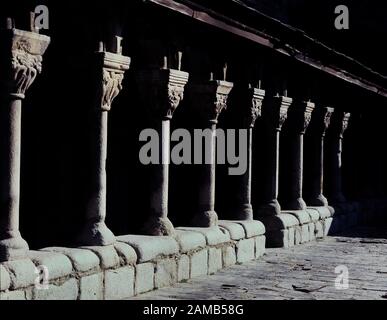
(338, 127)
(161, 90)
(320, 123)
(274, 114)
(252, 110)
(299, 117)
(20, 62)
(111, 68)
(209, 100)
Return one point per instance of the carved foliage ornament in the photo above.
(220, 104)
(111, 87)
(255, 111)
(175, 95)
(344, 123)
(23, 69)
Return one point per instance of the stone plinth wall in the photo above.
(134, 264)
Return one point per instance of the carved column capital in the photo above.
(211, 99)
(113, 68)
(254, 107)
(275, 111)
(340, 123)
(20, 60)
(322, 119)
(300, 116)
(162, 90)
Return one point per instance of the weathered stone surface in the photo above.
(119, 283)
(319, 229)
(252, 228)
(313, 214)
(260, 246)
(126, 252)
(278, 238)
(183, 265)
(291, 237)
(64, 291)
(82, 260)
(13, 295)
(107, 255)
(144, 277)
(235, 230)
(214, 260)
(91, 287)
(327, 226)
(199, 263)
(312, 231)
(229, 256)
(245, 250)
(297, 235)
(150, 247)
(306, 272)
(5, 280)
(302, 215)
(213, 235)
(165, 273)
(279, 222)
(189, 240)
(22, 273)
(305, 233)
(324, 212)
(58, 265)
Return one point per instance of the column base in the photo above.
(281, 230)
(13, 248)
(159, 226)
(244, 213)
(318, 201)
(272, 208)
(305, 225)
(205, 219)
(96, 234)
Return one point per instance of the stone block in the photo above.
(213, 235)
(67, 290)
(5, 279)
(312, 231)
(319, 229)
(189, 240)
(22, 273)
(297, 235)
(83, 260)
(252, 228)
(58, 265)
(150, 247)
(199, 263)
(13, 295)
(91, 287)
(107, 255)
(235, 230)
(119, 283)
(229, 256)
(279, 222)
(126, 252)
(245, 250)
(165, 273)
(314, 213)
(327, 226)
(292, 237)
(302, 216)
(214, 260)
(260, 246)
(144, 277)
(183, 266)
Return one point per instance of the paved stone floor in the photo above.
(303, 272)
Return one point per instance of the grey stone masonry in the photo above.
(20, 62)
(111, 68)
(161, 91)
(135, 264)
